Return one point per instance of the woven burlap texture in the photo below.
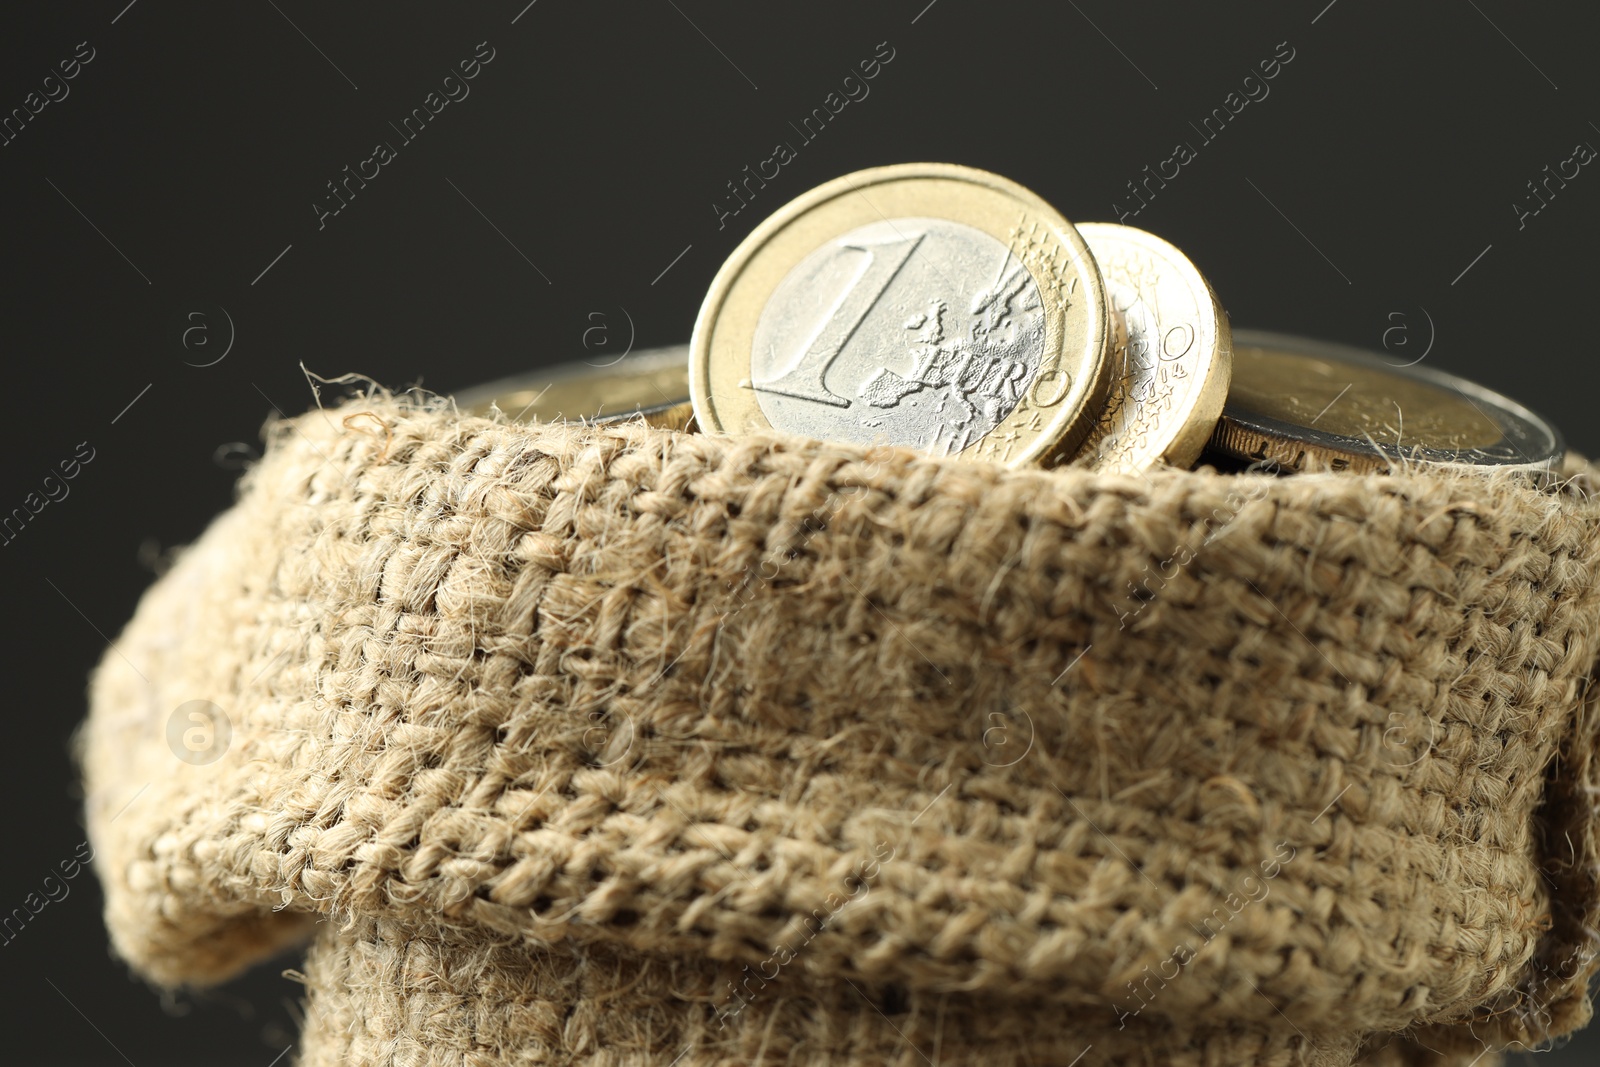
(612, 745)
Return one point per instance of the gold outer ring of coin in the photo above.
(1172, 355)
(1058, 406)
(651, 384)
(1302, 404)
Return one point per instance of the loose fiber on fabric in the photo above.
(613, 745)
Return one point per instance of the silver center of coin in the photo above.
(910, 331)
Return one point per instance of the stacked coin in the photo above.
(951, 310)
(1301, 405)
(651, 384)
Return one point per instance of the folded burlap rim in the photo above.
(612, 745)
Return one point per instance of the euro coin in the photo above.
(650, 384)
(1300, 404)
(1171, 355)
(924, 305)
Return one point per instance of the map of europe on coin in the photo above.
(912, 331)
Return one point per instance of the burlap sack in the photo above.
(619, 746)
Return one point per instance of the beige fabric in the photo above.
(614, 745)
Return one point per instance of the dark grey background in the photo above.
(1373, 188)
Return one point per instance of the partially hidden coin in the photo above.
(924, 305)
(1171, 356)
(652, 384)
(1312, 405)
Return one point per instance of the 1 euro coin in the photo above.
(1171, 354)
(924, 305)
